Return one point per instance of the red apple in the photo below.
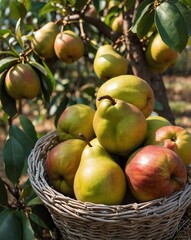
(177, 139)
(154, 171)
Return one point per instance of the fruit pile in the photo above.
(119, 152)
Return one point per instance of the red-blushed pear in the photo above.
(99, 179)
(154, 122)
(62, 163)
(177, 139)
(43, 40)
(68, 46)
(76, 119)
(120, 127)
(131, 89)
(153, 172)
(21, 81)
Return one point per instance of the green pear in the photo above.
(119, 126)
(74, 120)
(131, 89)
(153, 123)
(62, 163)
(108, 63)
(98, 178)
(43, 40)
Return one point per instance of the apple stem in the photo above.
(85, 139)
(107, 97)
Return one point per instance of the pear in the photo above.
(22, 81)
(98, 178)
(153, 123)
(76, 119)
(43, 40)
(159, 56)
(108, 63)
(131, 89)
(62, 163)
(69, 47)
(119, 126)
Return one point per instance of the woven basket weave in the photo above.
(158, 219)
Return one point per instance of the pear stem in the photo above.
(85, 139)
(107, 97)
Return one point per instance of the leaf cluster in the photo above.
(22, 214)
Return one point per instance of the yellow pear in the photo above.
(131, 89)
(159, 56)
(99, 179)
(153, 123)
(108, 63)
(119, 126)
(76, 119)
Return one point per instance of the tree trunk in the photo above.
(136, 57)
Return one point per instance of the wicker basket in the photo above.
(158, 219)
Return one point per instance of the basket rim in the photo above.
(52, 197)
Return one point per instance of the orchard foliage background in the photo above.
(22, 215)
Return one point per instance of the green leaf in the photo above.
(10, 226)
(186, 13)
(51, 83)
(14, 159)
(145, 23)
(5, 32)
(28, 128)
(111, 15)
(37, 220)
(35, 201)
(7, 63)
(99, 5)
(26, 142)
(46, 77)
(3, 194)
(45, 88)
(39, 67)
(8, 103)
(187, 3)
(158, 106)
(78, 5)
(43, 214)
(27, 230)
(171, 26)
(18, 33)
(145, 6)
(28, 194)
(17, 9)
(44, 9)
